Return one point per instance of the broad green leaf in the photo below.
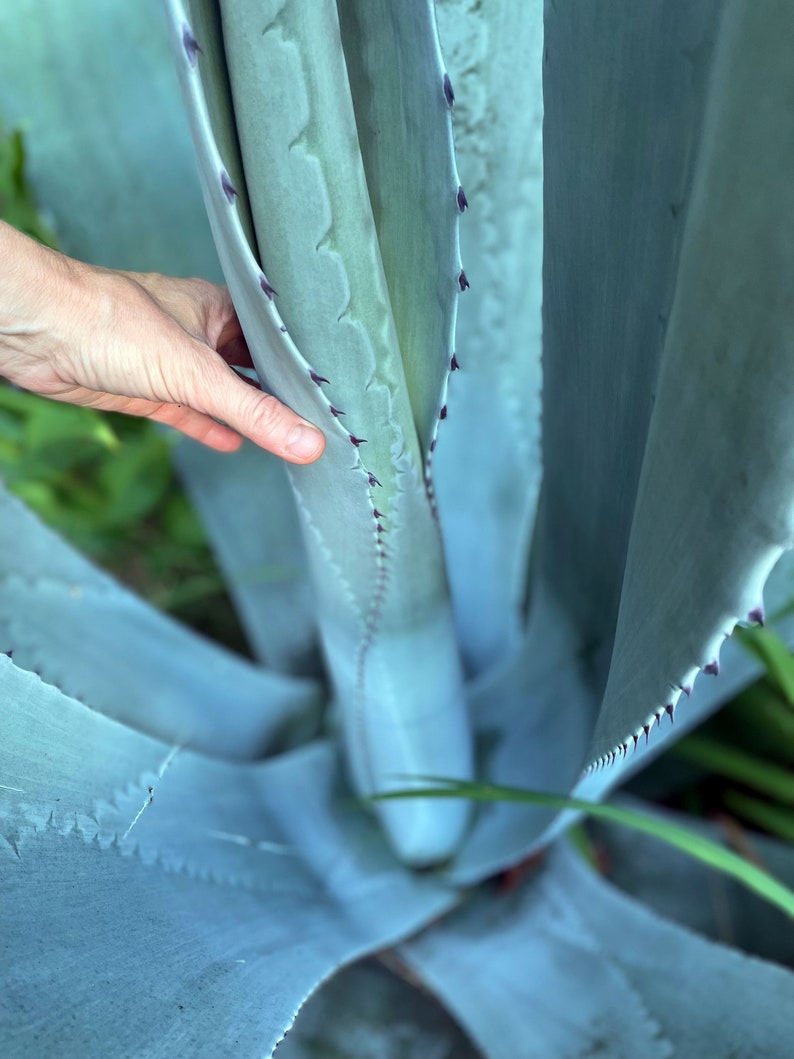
(135, 481)
(567, 966)
(51, 425)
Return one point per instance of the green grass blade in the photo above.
(736, 764)
(762, 721)
(708, 852)
(775, 656)
(772, 818)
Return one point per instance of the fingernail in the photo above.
(304, 442)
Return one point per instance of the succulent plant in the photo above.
(522, 570)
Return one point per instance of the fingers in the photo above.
(195, 425)
(167, 345)
(200, 379)
(260, 417)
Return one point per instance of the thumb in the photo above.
(221, 393)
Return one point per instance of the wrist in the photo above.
(42, 294)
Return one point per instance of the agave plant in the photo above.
(607, 255)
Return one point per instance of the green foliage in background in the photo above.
(17, 205)
(103, 480)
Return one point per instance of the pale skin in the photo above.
(139, 343)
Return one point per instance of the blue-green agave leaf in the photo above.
(310, 201)
(534, 718)
(715, 505)
(247, 507)
(368, 1012)
(569, 967)
(403, 121)
(155, 901)
(624, 85)
(388, 640)
(487, 466)
(533, 722)
(81, 631)
(107, 144)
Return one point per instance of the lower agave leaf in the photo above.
(101, 158)
(155, 901)
(568, 967)
(533, 726)
(368, 1012)
(682, 889)
(64, 619)
(266, 570)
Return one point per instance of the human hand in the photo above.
(139, 343)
